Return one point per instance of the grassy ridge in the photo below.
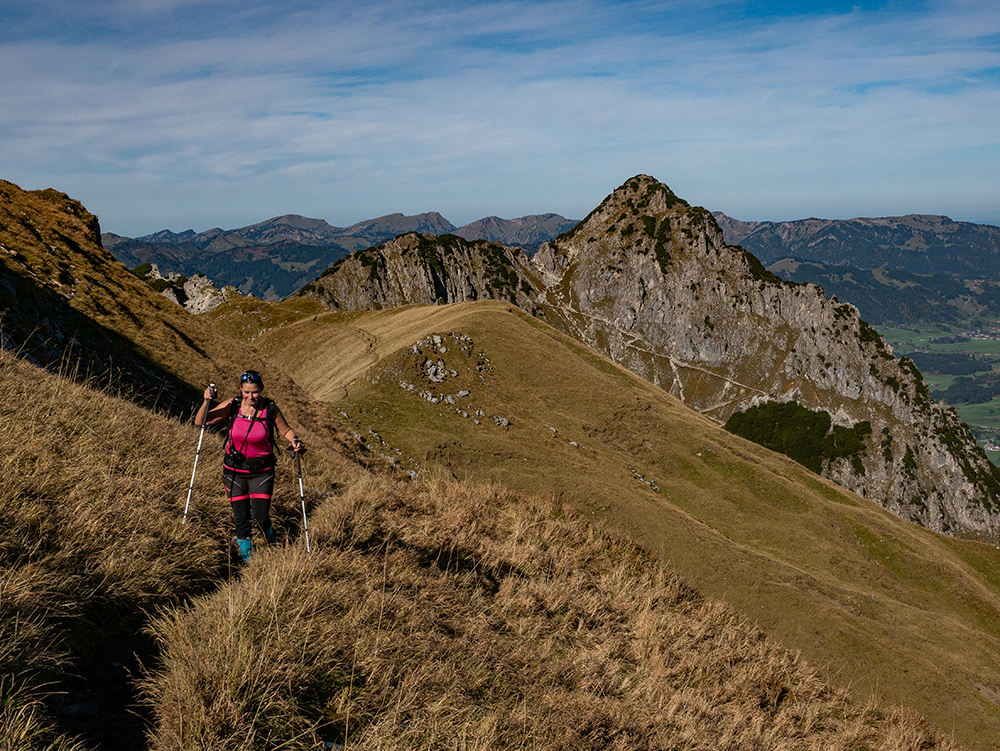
(67, 300)
(888, 605)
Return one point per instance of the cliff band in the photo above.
(649, 280)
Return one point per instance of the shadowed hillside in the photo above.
(68, 303)
(886, 296)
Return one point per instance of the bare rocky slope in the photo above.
(426, 269)
(650, 281)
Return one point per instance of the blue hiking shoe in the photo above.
(246, 546)
(271, 536)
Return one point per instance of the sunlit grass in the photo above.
(449, 614)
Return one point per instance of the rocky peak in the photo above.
(649, 280)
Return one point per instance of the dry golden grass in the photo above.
(23, 726)
(91, 503)
(91, 539)
(451, 615)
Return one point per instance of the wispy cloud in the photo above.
(197, 113)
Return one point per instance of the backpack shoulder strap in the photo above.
(272, 413)
(234, 409)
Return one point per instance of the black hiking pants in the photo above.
(250, 498)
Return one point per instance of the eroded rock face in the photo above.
(649, 280)
(425, 269)
(203, 296)
(197, 294)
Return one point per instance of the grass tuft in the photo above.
(451, 615)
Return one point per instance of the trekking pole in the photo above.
(302, 494)
(204, 422)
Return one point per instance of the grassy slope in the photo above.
(429, 614)
(91, 505)
(74, 302)
(889, 607)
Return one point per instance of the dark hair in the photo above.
(253, 377)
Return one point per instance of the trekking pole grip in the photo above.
(208, 402)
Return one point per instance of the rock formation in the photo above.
(650, 281)
(197, 294)
(426, 269)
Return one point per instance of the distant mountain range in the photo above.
(887, 296)
(902, 269)
(918, 243)
(895, 269)
(274, 258)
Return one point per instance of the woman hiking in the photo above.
(248, 467)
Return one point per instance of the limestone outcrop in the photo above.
(197, 294)
(426, 269)
(649, 280)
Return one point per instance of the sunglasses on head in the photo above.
(251, 375)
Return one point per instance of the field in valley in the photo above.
(982, 417)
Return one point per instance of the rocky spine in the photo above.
(649, 280)
(426, 269)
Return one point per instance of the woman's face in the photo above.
(251, 393)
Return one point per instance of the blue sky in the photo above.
(177, 114)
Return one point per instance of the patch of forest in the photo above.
(977, 389)
(949, 363)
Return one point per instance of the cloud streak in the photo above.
(197, 114)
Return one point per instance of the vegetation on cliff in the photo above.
(807, 436)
